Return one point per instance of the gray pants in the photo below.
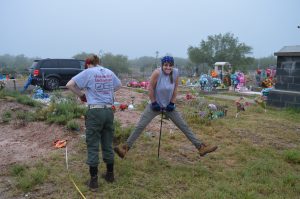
(175, 116)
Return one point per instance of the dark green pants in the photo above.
(99, 130)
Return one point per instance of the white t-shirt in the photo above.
(100, 84)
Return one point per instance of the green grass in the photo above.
(72, 125)
(61, 112)
(292, 156)
(6, 116)
(26, 178)
(22, 99)
(258, 157)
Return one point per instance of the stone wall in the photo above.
(281, 98)
(287, 87)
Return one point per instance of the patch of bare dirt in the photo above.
(30, 140)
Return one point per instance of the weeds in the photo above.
(121, 134)
(28, 177)
(22, 99)
(292, 156)
(142, 105)
(73, 125)
(25, 116)
(62, 112)
(17, 170)
(6, 116)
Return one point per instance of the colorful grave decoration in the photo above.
(234, 80)
(265, 78)
(241, 105)
(189, 96)
(261, 101)
(213, 111)
(206, 82)
(227, 81)
(39, 93)
(200, 109)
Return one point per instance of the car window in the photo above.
(33, 65)
(49, 64)
(69, 64)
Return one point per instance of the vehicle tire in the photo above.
(52, 83)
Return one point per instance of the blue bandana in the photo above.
(168, 59)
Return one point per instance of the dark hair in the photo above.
(170, 75)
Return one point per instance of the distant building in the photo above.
(287, 87)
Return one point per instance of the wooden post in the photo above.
(15, 87)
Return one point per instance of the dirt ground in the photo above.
(19, 143)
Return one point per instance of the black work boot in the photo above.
(93, 184)
(109, 176)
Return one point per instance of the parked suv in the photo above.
(52, 73)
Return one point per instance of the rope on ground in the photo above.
(70, 177)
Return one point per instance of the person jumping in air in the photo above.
(162, 93)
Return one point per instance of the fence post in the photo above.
(15, 87)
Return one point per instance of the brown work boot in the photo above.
(204, 149)
(121, 150)
(109, 177)
(93, 183)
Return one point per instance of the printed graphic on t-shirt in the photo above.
(103, 84)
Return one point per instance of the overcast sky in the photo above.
(135, 28)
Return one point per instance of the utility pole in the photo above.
(156, 56)
(100, 53)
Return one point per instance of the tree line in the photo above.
(220, 47)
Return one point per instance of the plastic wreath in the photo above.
(261, 101)
(240, 105)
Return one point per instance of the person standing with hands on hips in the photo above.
(162, 93)
(99, 85)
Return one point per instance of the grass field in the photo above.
(258, 157)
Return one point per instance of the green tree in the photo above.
(82, 56)
(10, 64)
(221, 48)
(265, 62)
(117, 63)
